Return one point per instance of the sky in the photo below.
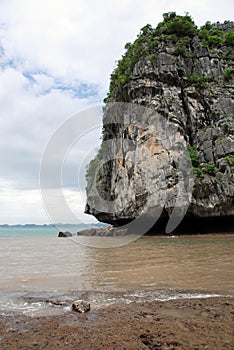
(56, 57)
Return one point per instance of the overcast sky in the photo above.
(55, 60)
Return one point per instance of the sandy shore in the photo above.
(176, 324)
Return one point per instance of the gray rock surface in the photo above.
(109, 231)
(201, 116)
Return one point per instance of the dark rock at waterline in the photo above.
(80, 306)
(65, 234)
(189, 226)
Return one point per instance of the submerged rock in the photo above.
(80, 306)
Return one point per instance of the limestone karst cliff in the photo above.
(168, 125)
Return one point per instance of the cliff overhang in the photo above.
(168, 126)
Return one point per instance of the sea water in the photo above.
(41, 273)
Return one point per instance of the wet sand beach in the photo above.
(175, 324)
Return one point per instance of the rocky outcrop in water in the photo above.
(65, 234)
(174, 88)
(109, 231)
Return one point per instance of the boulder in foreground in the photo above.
(81, 306)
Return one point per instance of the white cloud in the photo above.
(19, 207)
(55, 60)
(22, 207)
(43, 82)
(28, 120)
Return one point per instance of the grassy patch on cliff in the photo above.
(178, 31)
(200, 168)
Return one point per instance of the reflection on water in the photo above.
(34, 263)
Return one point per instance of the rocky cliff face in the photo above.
(169, 141)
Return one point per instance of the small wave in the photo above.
(36, 308)
(164, 295)
(48, 304)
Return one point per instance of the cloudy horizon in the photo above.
(56, 58)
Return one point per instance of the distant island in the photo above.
(51, 225)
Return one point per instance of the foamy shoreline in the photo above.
(202, 323)
(36, 304)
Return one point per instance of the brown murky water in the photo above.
(149, 265)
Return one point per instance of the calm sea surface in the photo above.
(37, 269)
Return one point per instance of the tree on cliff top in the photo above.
(175, 29)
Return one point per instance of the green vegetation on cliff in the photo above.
(183, 74)
(179, 31)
